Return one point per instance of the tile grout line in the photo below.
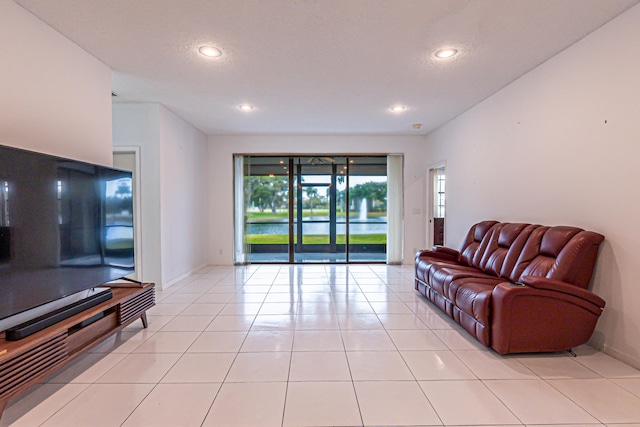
(230, 366)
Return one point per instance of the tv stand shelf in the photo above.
(26, 362)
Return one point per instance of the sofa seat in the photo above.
(516, 287)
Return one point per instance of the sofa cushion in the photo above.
(442, 276)
(472, 296)
(472, 305)
(431, 262)
(473, 241)
(504, 245)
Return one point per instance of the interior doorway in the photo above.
(128, 159)
(436, 208)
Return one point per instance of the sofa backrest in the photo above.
(503, 248)
(474, 238)
(562, 253)
(511, 251)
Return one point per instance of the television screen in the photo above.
(65, 226)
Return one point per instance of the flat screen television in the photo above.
(65, 226)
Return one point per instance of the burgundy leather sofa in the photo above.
(516, 287)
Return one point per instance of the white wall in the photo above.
(139, 125)
(223, 147)
(173, 161)
(183, 186)
(55, 98)
(560, 146)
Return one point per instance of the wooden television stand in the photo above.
(26, 362)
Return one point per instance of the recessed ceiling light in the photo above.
(210, 51)
(245, 107)
(398, 108)
(446, 53)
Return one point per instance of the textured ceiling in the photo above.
(320, 66)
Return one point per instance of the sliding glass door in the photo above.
(264, 220)
(367, 209)
(317, 209)
(306, 209)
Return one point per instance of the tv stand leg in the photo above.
(143, 317)
(3, 404)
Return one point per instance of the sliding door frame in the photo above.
(295, 227)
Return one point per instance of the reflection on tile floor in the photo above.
(319, 345)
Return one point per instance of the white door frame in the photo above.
(431, 197)
(135, 150)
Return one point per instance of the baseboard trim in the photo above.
(172, 282)
(623, 357)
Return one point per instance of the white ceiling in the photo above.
(320, 66)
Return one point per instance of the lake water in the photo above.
(370, 226)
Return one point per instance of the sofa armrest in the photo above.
(541, 315)
(445, 250)
(542, 283)
(439, 252)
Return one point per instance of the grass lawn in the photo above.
(313, 239)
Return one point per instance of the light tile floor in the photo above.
(319, 345)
